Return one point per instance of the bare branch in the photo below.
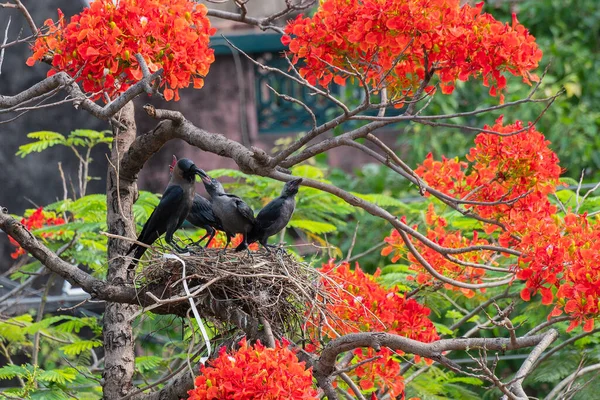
(528, 365)
(324, 367)
(63, 81)
(25, 12)
(4, 43)
(569, 379)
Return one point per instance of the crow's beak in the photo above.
(295, 182)
(200, 172)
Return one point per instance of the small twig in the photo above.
(352, 243)
(352, 386)
(27, 16)
(354, 366)
(38, 318)
(64, 181)
(4, 43)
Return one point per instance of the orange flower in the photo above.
(358, 303)
(220, 240)
(99, 45)
(401, 39)
(255, 372)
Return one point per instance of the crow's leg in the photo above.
(245, 242)
(266, 245)
(226, 245)
(169, 239)
(212, 235)
(208, 233)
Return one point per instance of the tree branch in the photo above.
(61, 80)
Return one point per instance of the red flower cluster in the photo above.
(561, 256)
(255, 373)
(436, 231)
(220, 240)
(401, 39)
(99, 45)
(36, 220)
(564, 255)
(358, 304)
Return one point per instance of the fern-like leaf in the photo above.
(61, 376)
(76, 348)
(44, 140)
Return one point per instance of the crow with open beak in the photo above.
(274, 216)
(234, 214)
(173, 208)
(202, 216)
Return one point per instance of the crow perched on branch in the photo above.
(172, 210)
(274, 216)
(233, 213)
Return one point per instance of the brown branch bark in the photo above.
(61, 80)
(324, 366)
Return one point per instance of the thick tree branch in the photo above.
(528, 365)
(324, 366)
(61, 80)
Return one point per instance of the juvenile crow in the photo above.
(274, 216)
(233, 213)
(202, 216)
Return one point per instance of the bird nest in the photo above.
(269, 287)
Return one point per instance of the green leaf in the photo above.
(11, 331)
(76, 348)
(443, 329)
(75, 324)
(52, 394)
(312, 226)
(382, 200)
(466, 379)
(148, 363)
(45, 139)
(61, 376)
(308, 171)
(12, 371)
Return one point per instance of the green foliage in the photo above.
(85, 220)
(55, 377)
(148, 363)
(440, 385)
(78, 138)
(78, 347)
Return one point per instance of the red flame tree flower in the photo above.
(99, 45)
(404, 39)
(560, 255)
(360, 304)
(36, 220)
(255, 372)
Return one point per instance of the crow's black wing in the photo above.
(159, 219)
(243, 208)
(202, 214)
(270, 213)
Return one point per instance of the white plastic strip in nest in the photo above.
(194, 309)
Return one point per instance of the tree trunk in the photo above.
(119, 361)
